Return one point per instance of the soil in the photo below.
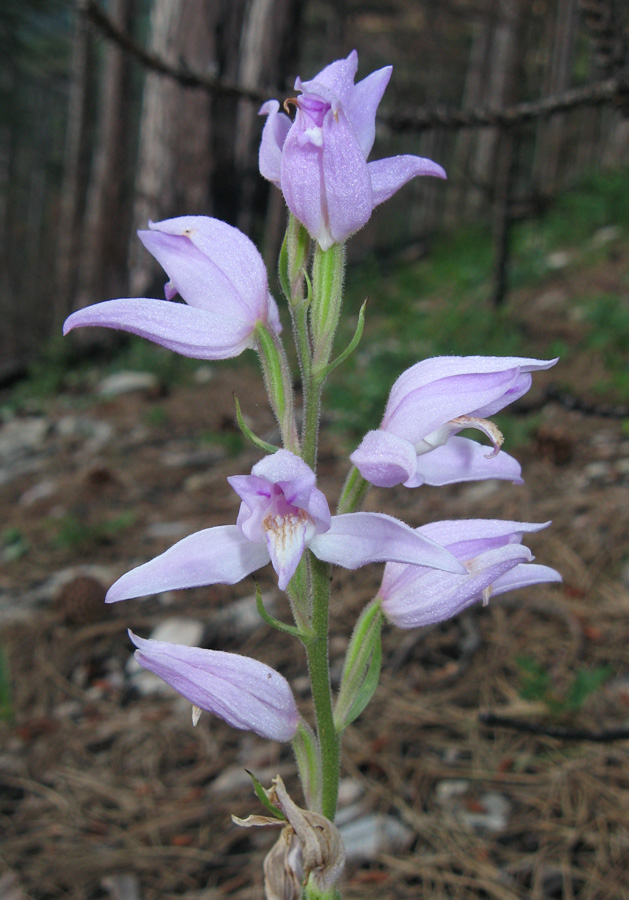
(108, 792)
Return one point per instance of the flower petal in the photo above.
(362, 104)
(276, 127)
(421, 410)
(247, 694)
(215, 265)
(523, 576)
(221, 555)
(301, 182)
(385, 459)
(435, 368)
(337, 78)
(199, 333)
(414, 597)
(356, 539)
(467, 538)
(462, 459)
(348, 194)
(390, 174)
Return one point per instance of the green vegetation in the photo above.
(232, 442)
(73, 533)
(6, 702)
(536, 683)
(441, 304)
(14, 545)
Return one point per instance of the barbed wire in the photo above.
(613, 90)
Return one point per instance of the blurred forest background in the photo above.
(115, 113)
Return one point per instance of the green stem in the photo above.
(279, 386)
(354, 492)
(318, 664)
(310, 429)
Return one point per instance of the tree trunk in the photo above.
(198, 152)
(108, 211)
(174, 162)
(498, 89)
(268, 52)
(551, 135)
(75, 171)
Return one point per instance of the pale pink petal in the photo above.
(524, 576)
(389, 175)
(363, 103)
(247, 694)
(199, 333)
(462, 459)
(385, 459)
(274, 133)
(221, 555)
(356, 539)
(347, 185)
(226, 268)
(419, 598)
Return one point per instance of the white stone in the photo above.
(175, 630)
(241, 617)
(203, 375)
(606, 235)
(558, 260)
(127, 383)
(168, 530)
(40, 491)
(372, 834)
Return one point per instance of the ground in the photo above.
(109, 792)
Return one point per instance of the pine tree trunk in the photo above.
(75, 172)
(552, 135)
(108, 211)
(498, 89)
(174, 161)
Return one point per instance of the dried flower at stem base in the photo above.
(309, 850)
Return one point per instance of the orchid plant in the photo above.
(318, 159)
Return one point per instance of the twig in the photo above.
(571, 402)
(186, 77)
(554, 731)
(610, 90)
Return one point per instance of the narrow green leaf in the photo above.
(276, 623)
(283, 268)
(249, 434)
(369, 685)
(262, 796)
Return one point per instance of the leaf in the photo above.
(263, 797)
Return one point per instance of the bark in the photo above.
(499, 88)
(268, 51)
(553, 136)
(174, 162)
(108, 212)
(75, 172)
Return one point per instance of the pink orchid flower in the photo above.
(495, 561)
(428, 405)
(319, 161)
(282, 513)
(217, 270)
